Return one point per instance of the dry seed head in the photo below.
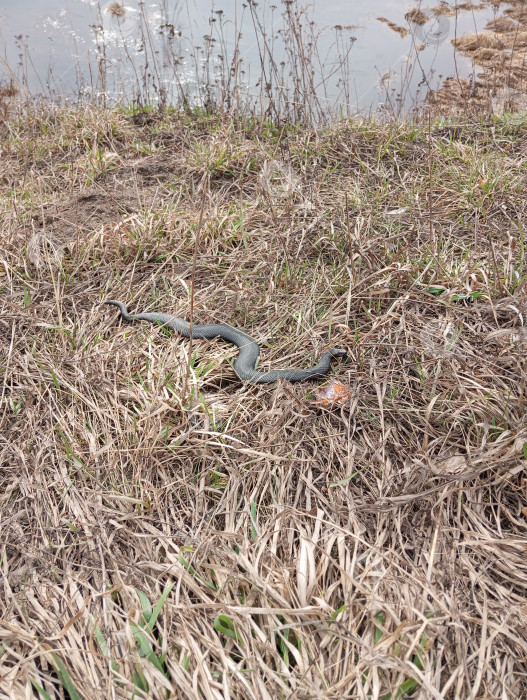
(116, 9)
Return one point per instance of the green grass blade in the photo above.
(65, 677)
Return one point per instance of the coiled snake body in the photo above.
(246, 363)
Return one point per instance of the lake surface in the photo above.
(350, 59)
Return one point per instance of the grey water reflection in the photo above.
(346, 57)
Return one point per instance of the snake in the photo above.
(246, 363)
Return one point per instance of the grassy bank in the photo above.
(168, 531)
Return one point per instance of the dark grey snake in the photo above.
(249, 355)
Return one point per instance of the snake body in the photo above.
(246, 363)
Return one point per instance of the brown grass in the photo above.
(402, 31)
(370, 550)
(499, 57)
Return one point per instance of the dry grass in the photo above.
(248, 542)
(499, 58)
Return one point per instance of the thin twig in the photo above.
(353, 275)
(194, 260)
(431, 227)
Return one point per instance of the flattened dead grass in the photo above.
(249, 542)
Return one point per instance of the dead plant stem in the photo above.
(192, 281)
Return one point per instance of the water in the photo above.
(77, 47)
